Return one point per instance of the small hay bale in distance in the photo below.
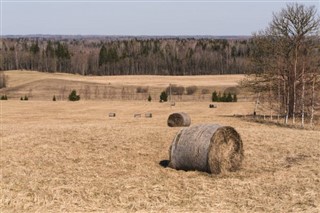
(212, 106)
(137, 115)
(179, 119)
(148, 115)
(112, 114)
(207, 147)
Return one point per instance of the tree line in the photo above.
(131, 56)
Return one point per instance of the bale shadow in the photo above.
(164, 163)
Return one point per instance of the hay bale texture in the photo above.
(208, 147)
(179, 119)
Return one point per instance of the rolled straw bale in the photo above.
(179, 119)
(137, 115)
(208, 147)
(148, 115)
(112, 114)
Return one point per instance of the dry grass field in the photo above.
(42, 86)
(71, 157)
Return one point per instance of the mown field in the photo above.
(71, 157)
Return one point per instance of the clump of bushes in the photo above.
(163, 96)
(25, 98)
(191, 90)
(204, 91)
(142, 90)
(175, 90)
(4, 97)
(73, 96)
(217, 97)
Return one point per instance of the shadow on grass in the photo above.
(164, 163)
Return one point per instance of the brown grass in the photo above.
(71, 157)
(66, 156)
(42, 86)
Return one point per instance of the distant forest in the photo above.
(126, 56)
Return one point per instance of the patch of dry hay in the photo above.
(208, 147)
(68, 157)
(179, 119)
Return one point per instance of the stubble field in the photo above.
(71, 157)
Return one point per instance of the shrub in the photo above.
(21, 99)
(73, 96)
(54, 98)
(163, 97)
(215, 97)
(229, 97)
(142, 90)
(149, 98)
(235, 99)
(204, 91)
(232, 90)
(26, 98)
(3, 80)
(224, 97)
(4, 97)
(191, 90)
(175, 90)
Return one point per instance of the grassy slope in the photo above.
(42, 86)
(65, 156)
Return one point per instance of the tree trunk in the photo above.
(312, 100)
(294, 84)
(302, 98)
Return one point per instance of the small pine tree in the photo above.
(235, 99)
(73, 96)
(215, 97)
(219, 97)
(224, 97)
(26, 98)
(229, 97)
(149, 98)
(163, 97)
(54, 98)
(21, 99)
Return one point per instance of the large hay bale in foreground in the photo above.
(179, 119)
(208, 147)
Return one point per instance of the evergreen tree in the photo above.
(149, 98)
(229, 97)
(26, 98)
(73, 96)
(34, 48)
(163, 97)
(224, 97)
(54, 98)
(215, 97)
(103, 55)
(219, 97)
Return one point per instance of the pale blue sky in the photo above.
(153, 17)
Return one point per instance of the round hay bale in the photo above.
(148, 115)
(179, 119)
(208, 147)
(112, 114)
